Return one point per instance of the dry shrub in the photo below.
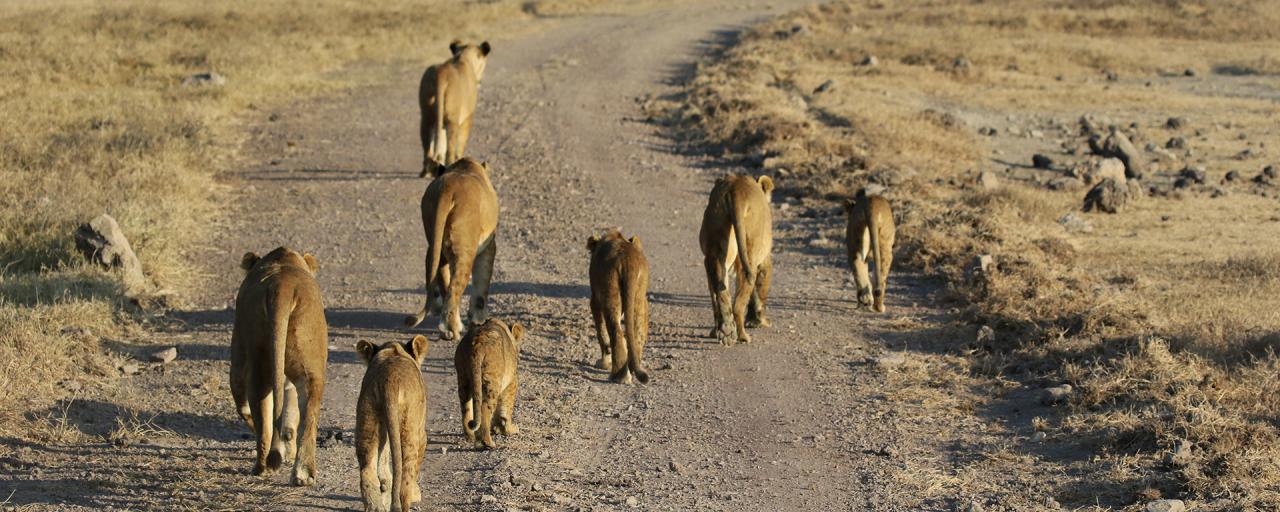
(1164, 347)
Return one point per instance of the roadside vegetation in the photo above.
(1163, 317)
(102, 115)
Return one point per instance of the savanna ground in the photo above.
(1162, 317)
(1158, 316)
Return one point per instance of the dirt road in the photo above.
(796, 420)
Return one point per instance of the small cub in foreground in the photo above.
(870, 232)
(391, 422)
(619, 296)
(460, 218)
(737, 236)
(487, 381)
(447, 99)
(279, 347)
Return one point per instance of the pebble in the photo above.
(1055, 395)
(165, 356)
(1166, 506)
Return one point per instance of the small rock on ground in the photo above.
(1055, 395)
(1166, 506)
(165, 356)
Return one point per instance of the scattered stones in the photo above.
(1108, 196)
(1195, 174)
(1176, 143)
(974, 506)
(1267, 176)
(204, 79)
(1176, 123)
(888, 360)
(1040, 161)
(1166, 506)
(1180, 455)
(826, 86)
(988, 131)
(102, 242)
(984, 263)
(1117, 145)
(1039, 437)
(488, 498)
(165, 356)
(1182, 184)
(631, 501)
(1189, 72)
(987, 180)
(676, 467)
(961, 65)
(1232, 176)
(889, 450)
(869, 61)
(1055, 395)
(129, 368)
(1111, 76)
(986, 334)
(1074, 223)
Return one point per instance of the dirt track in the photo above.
(795, 420)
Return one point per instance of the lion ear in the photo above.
(635, 240)
(455, 46)
(517, 332)
(312, 263)
(484, 48)
(418, 348)
(249, 260)
(366, 350)
(766, 184)
(592, 242)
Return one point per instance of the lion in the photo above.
(870, 232)
(447, 100)
(460, 217)
(487, 380)
(619, 287)
(391, 423)
(737, 235)
(279, 347)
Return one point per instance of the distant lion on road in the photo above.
(447, 99)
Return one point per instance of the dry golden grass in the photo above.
(1163, 317)
(97, 119)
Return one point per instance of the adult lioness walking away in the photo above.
(279, 346)
(460, 217)
(391, 422)
(737, 235)
(870, 232)
(447, 100)
(486, 362)
(619, 296)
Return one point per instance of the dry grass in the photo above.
(97, 119)
(1162, 317)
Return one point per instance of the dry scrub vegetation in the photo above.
(1163, 317)
(97, 119)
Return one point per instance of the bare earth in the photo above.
(803, 418)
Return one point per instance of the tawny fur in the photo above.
(279, 347)
(870, 233)
(486, 362)
(447, 99)
(620, 304)
(460, 218)
(737, 236)
(391, 422)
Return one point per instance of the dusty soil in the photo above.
(812, 415)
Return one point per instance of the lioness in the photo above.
(447, 99)
(460, 217)
(391, 422)
(870, 232)
(279, 346)
(619, 288)
(737, 234)
(487, 380)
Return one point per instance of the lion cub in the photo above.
(447, 99)
(619, 288)
(487, 380)
(737, 235)
(870, 232)
(391, 422)
(279, 346)
(460, 218)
